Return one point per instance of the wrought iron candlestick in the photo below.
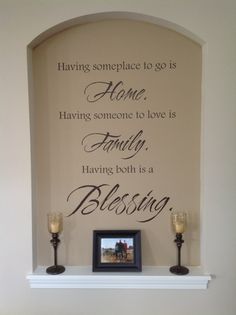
(55, 227)
(179, 226)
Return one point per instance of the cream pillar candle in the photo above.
(55, 227)
(179, 227)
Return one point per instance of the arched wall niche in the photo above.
(113, 15)
(41, 188)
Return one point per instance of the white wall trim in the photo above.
(149, 278)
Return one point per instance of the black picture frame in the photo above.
(110, 255)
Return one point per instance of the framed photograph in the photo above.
(117, 250)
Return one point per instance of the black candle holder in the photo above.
(55, 269)
(178, 269)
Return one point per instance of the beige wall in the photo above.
(214, 23)
(167, 166)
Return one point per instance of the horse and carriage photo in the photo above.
(115, 250)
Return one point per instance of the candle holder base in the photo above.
(55, 270)
(179, 270)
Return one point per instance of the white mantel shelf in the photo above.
(149, 278)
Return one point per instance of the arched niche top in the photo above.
(113, 15)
